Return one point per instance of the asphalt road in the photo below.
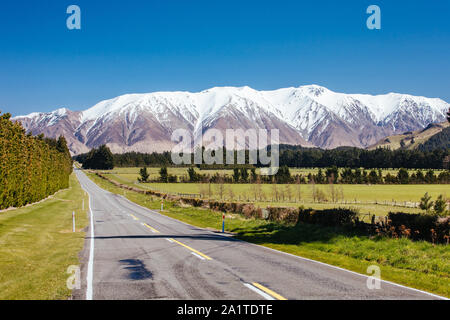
(135, 253)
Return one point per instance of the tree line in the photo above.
(31, 167)
(99, 158)
(299, 157)
(331, 175)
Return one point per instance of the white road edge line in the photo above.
(260, 292)
(292, 255)
(198, 256)
(169, 240)
(90, 273)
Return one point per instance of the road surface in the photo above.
(135, 253)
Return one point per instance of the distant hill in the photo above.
(440, 140)
(434, 136)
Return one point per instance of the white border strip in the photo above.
(260, 292)
(198, 256)
(90, 273)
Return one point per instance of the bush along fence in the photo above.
(396, 225)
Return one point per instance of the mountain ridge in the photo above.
(308, 115)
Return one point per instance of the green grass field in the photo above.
(37, 246)
(421, 265)
(367, 199)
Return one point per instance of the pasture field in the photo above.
(419, 264)
(37, 245)
(367, 199)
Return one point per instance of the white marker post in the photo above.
(73, 221)
(162, 204)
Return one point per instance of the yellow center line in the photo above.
(153, 229)
(267, 290)
(134, 217)
(193, 250)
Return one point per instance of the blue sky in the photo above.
(143, 46)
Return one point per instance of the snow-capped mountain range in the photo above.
(308, 115)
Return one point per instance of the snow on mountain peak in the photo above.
(319, 115)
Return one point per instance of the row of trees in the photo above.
(358, 176)
(31, 167)
(299, 157)
(360, 158)
(331, 175)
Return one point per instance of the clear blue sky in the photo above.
(143, 46)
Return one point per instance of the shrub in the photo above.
(421, 227)
(289, 215)
(328, 217)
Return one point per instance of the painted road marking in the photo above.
(134, 217)
(193, 250)
(90, 271)
(198, 256)
(267, 290)
(261, 293)
(152, 229)
(169, 240)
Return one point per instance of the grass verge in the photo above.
(37, 246)
(420, 265)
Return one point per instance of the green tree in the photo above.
(143, 175)
(320, 177)
(373, 177)
(440, 206)
(163, 175)
(332, 173)
(244, 175)
(236, 175)
(430, 177)
(420, 178)
(100, 159)
(403, 176)
(254, 176)
(283, 175)
(193, 176)
(425, 203)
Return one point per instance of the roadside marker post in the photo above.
(73, 221)
(162, 204)
(223, 222)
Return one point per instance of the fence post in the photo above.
(73, 221)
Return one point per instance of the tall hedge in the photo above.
(31, 168)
